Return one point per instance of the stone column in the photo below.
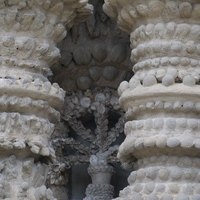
(162, 98)
(29, 103)
(101, 173)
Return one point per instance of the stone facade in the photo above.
(61, 114)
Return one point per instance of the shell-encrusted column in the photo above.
(162, 98)
(29, 103)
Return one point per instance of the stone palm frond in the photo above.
(75, 160)
(80, 130)
(86, 141)
(114, 133)
(101, 121)
(73, 144)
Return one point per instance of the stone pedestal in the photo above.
(29, 103)
(162, 98)
(100, 189)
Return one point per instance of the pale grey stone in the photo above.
(173, 142)
(166, 197)
(189, 80)
(182, 197)
(149, 80)
(168, 80)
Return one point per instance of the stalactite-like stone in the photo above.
(162, 108)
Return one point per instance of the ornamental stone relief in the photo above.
(30, 104)
(95, 58)
(94, 146)
(161, 99)
(94, 54)
(159, 92)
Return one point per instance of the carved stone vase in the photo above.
(29, 103)
(100, 189)
(162, 98)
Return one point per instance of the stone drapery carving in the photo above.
(97, 146)
(162, 98)
(30, 104)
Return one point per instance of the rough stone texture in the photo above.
(94, 144)
(162, 98)
(95, 54)
(30, 104)
(95, 58)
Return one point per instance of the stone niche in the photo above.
(95, 59)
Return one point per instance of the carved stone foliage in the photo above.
(96, 105)
(161, 100)
(94, 54)
(95, 145)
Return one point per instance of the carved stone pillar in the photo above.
(162, 98)
(101, 173)
(29, 103)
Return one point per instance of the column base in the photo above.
(99, 192)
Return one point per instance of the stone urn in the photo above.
(100, 173)
(100, 188)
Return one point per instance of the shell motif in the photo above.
(99, 52)
(126, 16)
(156, 7)
(95, 73)
(118, 53)
(110, 73)
(171, 10)
(81, 56)
(109, 10)
(185, 10)
(84, 83)
(142, 10)
(182, 30)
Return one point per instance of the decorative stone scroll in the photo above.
(162, 98)
(29, 103)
